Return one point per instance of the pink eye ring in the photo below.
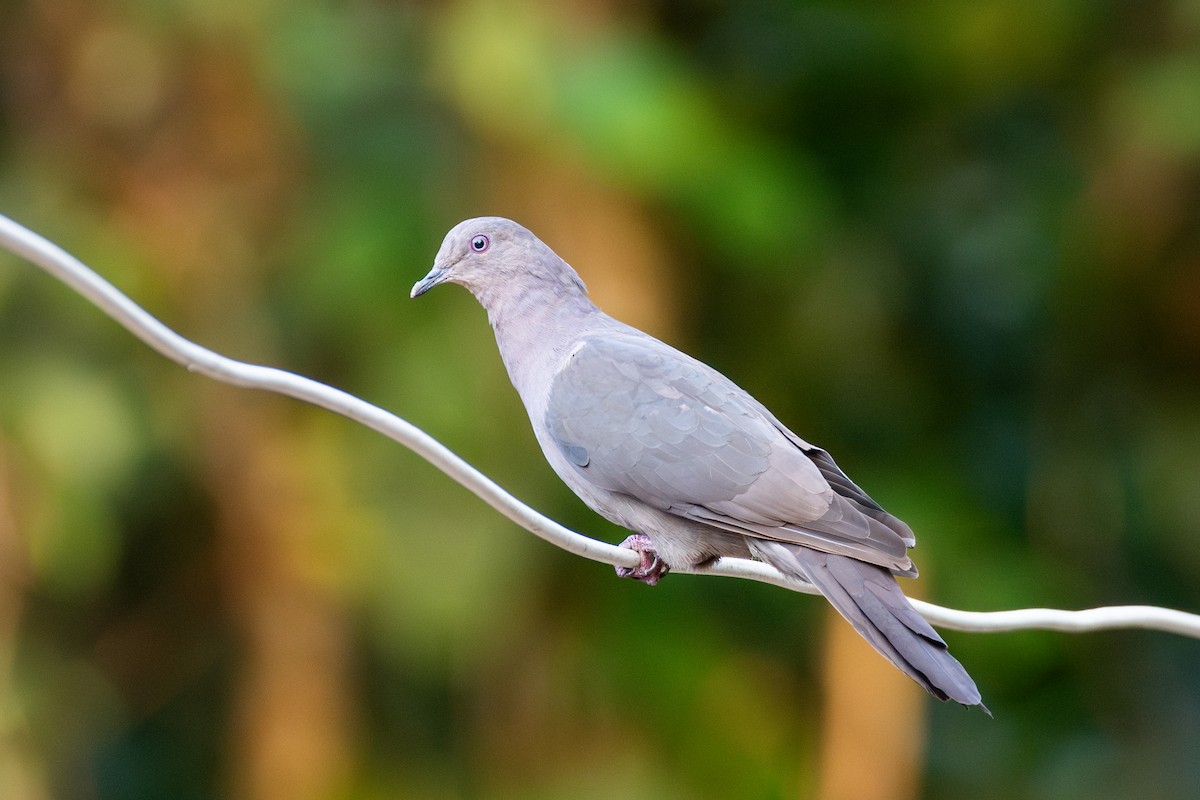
(480, 243)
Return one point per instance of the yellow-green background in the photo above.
(958, 244)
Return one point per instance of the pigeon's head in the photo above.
(490, 254)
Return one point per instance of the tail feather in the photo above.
(871, 600)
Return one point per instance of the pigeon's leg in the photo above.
(652, 568)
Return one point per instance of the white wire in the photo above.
(107, 298)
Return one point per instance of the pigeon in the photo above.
(667, 447)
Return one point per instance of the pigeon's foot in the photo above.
(652, 568)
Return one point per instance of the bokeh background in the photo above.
(957, 244)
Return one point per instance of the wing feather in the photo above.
(635, 416)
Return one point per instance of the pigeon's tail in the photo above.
(870, 599)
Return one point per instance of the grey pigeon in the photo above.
(668, 447)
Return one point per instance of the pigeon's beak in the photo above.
(435, 276)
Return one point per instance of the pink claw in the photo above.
(652, 568)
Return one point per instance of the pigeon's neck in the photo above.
(535, 327)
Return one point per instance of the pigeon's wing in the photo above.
(846, 488)
(635, 416)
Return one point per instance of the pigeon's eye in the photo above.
(480, 243)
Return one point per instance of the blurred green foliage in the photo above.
(956, 244)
